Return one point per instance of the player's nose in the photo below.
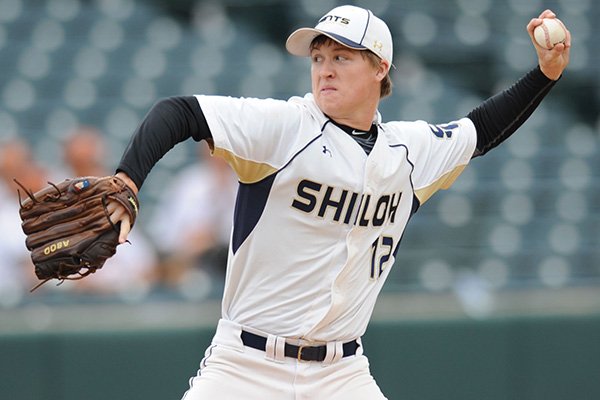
(326, 69)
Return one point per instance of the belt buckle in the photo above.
(300, 348)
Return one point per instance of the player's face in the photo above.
(345, 84)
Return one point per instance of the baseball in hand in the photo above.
(550, 32)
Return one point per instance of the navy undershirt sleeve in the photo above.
(501, 115)
(169, 121)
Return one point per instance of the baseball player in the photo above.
(326, 188)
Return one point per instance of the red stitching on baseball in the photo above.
(547, 35)
(564, 28)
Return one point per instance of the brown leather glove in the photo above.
(68, 229)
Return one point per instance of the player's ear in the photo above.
(382, 69)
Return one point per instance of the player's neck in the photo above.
(359, 122)
(357, 132)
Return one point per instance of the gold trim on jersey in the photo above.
(248, 171)
(444, 182)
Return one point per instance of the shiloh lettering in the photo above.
(340, 205)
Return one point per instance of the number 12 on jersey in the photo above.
(381, 251)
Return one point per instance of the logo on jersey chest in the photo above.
(341, 205)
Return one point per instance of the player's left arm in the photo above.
(170, 121)
(500, 116)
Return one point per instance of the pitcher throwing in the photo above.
(326, 190)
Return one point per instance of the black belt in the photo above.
(305, 353)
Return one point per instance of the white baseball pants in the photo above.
(232, 371)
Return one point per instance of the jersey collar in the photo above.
(309, 101)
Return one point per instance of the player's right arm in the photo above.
(501, 115)
(497, 118)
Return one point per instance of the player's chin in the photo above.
(328, 102)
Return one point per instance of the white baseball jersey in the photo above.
(318, 222)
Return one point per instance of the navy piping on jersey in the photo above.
(325, 124)
(415, 204)
(251, 201)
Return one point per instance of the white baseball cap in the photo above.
(351, 26)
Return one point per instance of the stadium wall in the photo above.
(549, 358)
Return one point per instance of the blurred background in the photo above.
(499, 273)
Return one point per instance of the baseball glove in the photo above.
(69, 232)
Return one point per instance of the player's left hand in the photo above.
(117, 212)
(118, 215)
(554, 61)
(66, 225)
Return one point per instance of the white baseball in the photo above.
(550, 32)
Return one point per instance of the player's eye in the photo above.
(340, 58)
(317, 58)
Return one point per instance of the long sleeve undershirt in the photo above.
(501, 115)
(175, 119)
(169, 121)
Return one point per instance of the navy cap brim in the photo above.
(298, 43)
